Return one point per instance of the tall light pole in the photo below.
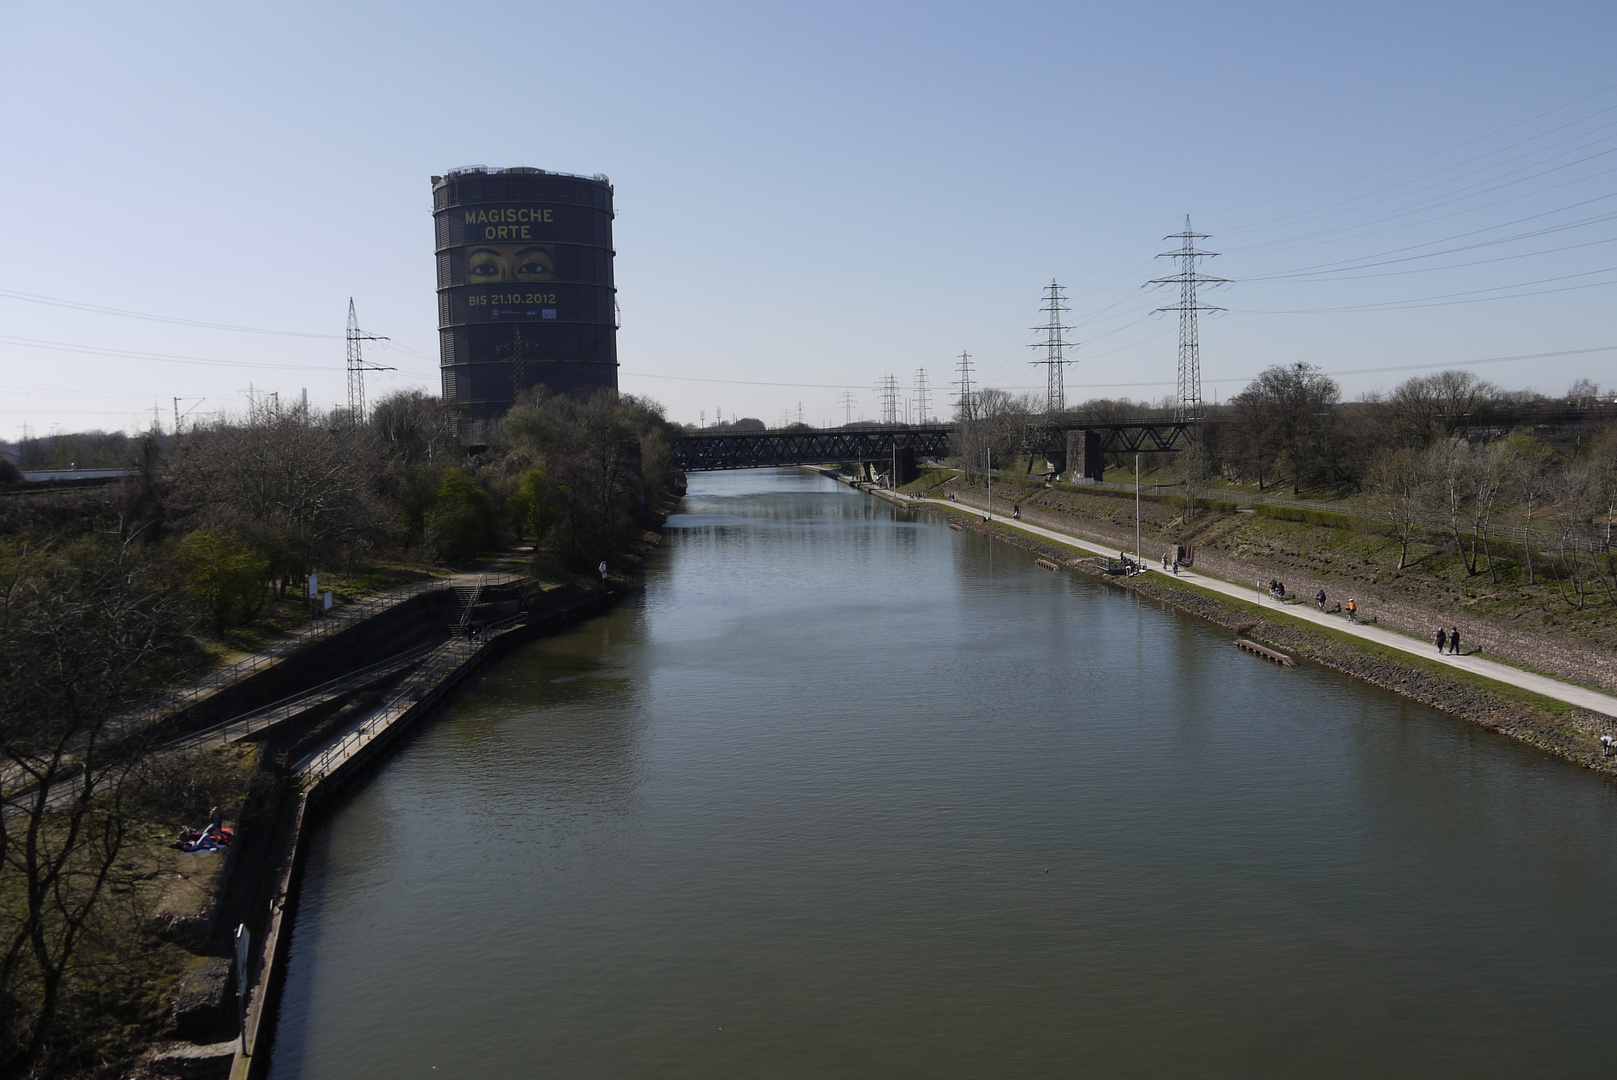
(988, 479)
(1137, 563)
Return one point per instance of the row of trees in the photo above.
(1552, 505)
(252, 505)
(1446, 453)
(103, 594)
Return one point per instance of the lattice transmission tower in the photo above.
(357, 367)
(848, 402)
(923, 397)
(1055, 346)
(888, 389)
(964, 403)
(1188, 393)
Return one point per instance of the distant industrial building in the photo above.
(525, 289)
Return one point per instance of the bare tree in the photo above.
(1399, 486)
(298, 487)
(1001, 426)
(86, 630)
(1532, 466)
(1430, 408)
(1574, 509)
(1284, 419)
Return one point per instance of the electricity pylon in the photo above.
(923, 398)
(888, 389)
(357, 367)
(1188, 392)
(965, 404)
(1054, 345)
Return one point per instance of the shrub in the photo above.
(1326, 518)
(533, 506)
(461, 521)
(224, 575)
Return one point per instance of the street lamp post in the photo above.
(1137, 563)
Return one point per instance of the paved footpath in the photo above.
(1583, 698)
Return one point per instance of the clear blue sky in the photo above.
(816, 194)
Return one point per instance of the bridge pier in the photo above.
(1084, 458)
(904, 470)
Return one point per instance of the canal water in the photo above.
(847, 793)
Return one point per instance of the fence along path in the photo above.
(338, 619)
(239, 727)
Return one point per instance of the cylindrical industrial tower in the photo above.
(525, 293)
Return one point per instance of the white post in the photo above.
(242, 939)
(988, 478)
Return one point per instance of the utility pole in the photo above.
(178, 415)
(357, 367)
(888, 388)
(1054, 345)
(965, 404)
(923, 399)
(799, 412)
(1188, 403)
(848, 402)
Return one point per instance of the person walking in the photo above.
(1454, 640)
(1442, 640)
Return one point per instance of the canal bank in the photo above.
(326, 765)
(327, 775)
(1569, 724)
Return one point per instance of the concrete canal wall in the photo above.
(332, 775)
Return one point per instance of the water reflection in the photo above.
(849, 792)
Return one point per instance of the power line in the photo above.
(1362, 371)
(1448, 299)
(167, 358)
(1427, 157)
(75, 305)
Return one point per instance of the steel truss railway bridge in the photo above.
(1080, 444)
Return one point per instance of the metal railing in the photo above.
(239, 727)
(338, 619)
(450, 654)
